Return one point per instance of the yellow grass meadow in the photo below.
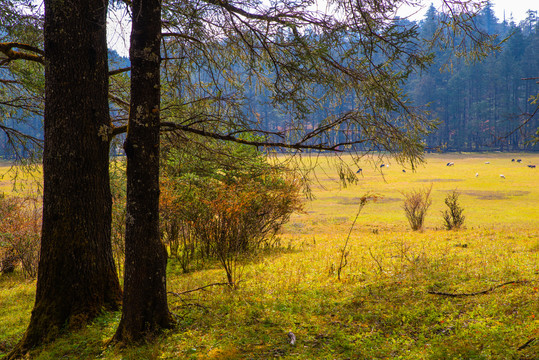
(434, 294)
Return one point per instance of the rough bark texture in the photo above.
(76, 277)
(145, 309)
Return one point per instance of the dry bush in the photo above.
(416, 204)
(225, 220)
(20, 224)
(453, 218)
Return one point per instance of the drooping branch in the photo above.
(169, 126)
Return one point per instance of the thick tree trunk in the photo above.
(145, 309)
(76, 276)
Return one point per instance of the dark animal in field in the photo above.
(512, 160)
(403, 170)
(531, 166)
(519, 160)
(450, 164)
(383, 165)
(359, 171)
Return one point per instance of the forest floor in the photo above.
(434, 294)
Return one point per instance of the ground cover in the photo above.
(434, 294)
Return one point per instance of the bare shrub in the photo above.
(453, 218)
(20, 224)
(416, 204)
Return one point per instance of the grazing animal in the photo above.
(476, 174)
(405, 170)
(487, 162)
(519, 160)
(450, 164)
(531, 166)
(512, 160)
(383, 165)
(359, 171)
(502, 176)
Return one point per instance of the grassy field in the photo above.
(394, 299)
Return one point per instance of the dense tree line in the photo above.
(481, 105)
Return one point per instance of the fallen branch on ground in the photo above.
(197, 289)
(526, 344)
(477, 293)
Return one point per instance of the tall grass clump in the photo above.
(453, 218)
(416, 204)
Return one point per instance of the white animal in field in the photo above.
(487, 162)
(502, 176)
(476, 174)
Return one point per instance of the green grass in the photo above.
(381, 308)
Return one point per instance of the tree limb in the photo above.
(119, 71)
(7, 49)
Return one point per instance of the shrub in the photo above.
(20, 224)
(223, 208)
(453, 218)
(416, 204)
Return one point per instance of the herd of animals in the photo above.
(531, 166)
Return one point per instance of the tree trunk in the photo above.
(145, 309)
(76, 276)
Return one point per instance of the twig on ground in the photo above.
(479, 292)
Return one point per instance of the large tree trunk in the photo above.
(145, 309)
(76, 276)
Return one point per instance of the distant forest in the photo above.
(480, 106)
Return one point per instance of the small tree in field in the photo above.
(453, 218)
(416, 204)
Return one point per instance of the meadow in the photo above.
(433, 294)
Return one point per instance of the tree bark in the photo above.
(77, 278)
(145, 308)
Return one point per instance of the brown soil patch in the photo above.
(493, 195)
(439, 180)
(341, 200)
